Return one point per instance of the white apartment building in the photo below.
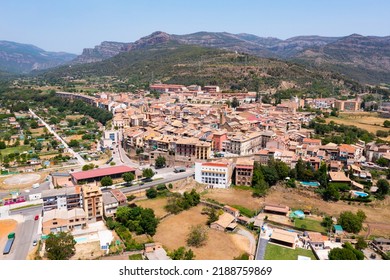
(214, 174)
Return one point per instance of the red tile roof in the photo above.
(101, 172)
(220, 164)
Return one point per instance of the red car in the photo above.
(36, 217)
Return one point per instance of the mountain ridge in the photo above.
(366, 52)
(23, 58)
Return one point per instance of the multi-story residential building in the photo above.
(63, 198)
(266, 136)
(244, 144)
(93, 202)
(244, 172)
(57, 220)
(214, 174)
(192, 149)
(218, 138)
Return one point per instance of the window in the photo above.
(54, 223)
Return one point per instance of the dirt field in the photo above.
(220, 245)
(88, 251)
(365, 120)
(74, 117)
(156, 204)
(21, 181)
(7, 226)
(378, 213)
(234, 197)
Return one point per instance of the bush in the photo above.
(151, 193)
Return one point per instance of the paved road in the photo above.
(260, 252)
(26, 231)
(76, 155)
(147, 185)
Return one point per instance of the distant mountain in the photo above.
(167, 60)
(101, 52)
(23, 58)
(366, 59)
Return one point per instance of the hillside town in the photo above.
(195, 138)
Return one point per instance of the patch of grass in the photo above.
(245, 211)
(276, 252)
(310, 225)
(136, 257)
(19, 149)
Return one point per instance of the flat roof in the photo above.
(101, 172)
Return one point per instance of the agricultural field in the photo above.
(369, 121)
(219, 246)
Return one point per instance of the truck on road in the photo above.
(8, 245)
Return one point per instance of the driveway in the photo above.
(250, 237)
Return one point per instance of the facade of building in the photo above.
(214, 174)
(244, 172)
(64, 198)
(57, 220)
(93, 202)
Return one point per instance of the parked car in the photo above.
(35, 242)
(36, 218)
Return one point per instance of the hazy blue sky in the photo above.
(72, 25)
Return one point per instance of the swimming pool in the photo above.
(309, 184)
(80, 239)
(361, 194)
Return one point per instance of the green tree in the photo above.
(361, 243)
(34, 124)
(235, 103)
(386, 123)
(197, 236)
(331, 193)
(160, 162)
(88, 167)
(60, 246)
(351, 222)
(382, 162)
(147, 173)
(128, 177)
(151, 193)
(2, 145)
(300, 169)
(383, 188)
(148, 221)
(327, 222)
(74, 143)
(181, 254)
(341, 254)
(106, 181)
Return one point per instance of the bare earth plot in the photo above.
(21, 181)
(378, 213)
(156, 204)
(6, 227)
(234, 197)
(172, 233)
(365, 120)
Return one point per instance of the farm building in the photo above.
(225, 222)
(285, 238)
(97, 174)
(276, 209)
